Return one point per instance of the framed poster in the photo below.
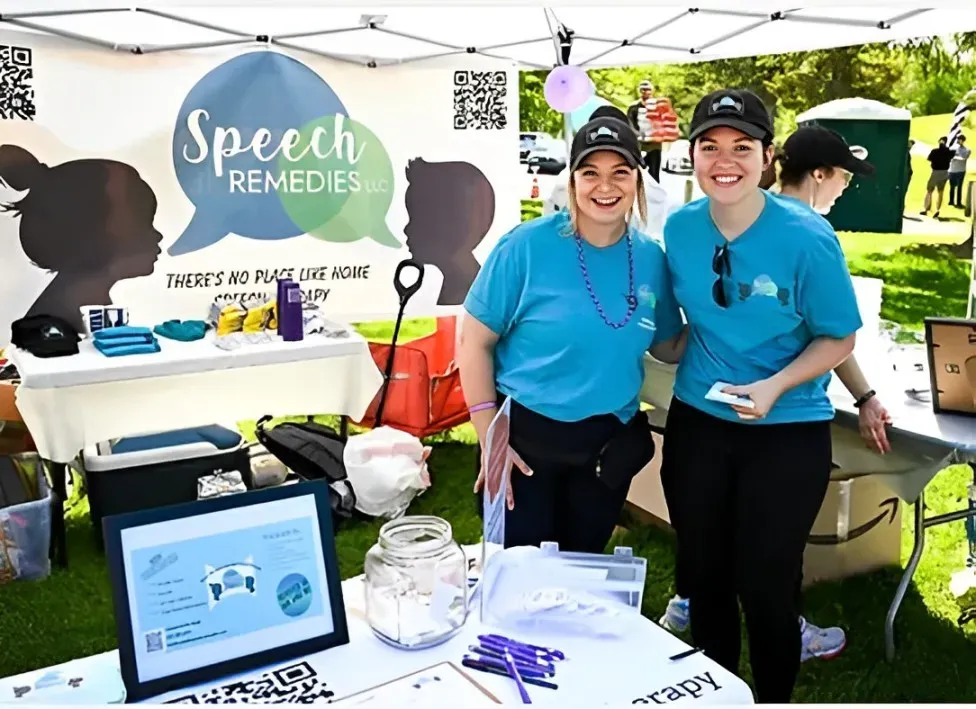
(217, 587)
(951, 344)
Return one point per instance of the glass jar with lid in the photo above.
(416, 583)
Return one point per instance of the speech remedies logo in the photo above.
(264, 149)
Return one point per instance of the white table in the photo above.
(71, 402)
(597, 672)
(935, 441)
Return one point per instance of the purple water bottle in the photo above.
(290, 314)
(280, 302)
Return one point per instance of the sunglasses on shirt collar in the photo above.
(722, 266)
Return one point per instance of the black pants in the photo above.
(563, 500)
(956, 180)
(652, 158)
(742, 499)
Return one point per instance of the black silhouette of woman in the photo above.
(89, 221)
(450, 206)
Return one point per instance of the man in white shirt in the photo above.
(957, 172)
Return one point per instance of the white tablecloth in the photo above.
(597, 672)
(70, 402)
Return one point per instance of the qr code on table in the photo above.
(480, 100)
(155, 641)
(16, 83)
(295, 684)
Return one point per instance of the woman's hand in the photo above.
(763, 393)
(516, 462)
(872, 418)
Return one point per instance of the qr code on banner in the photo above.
(16, 83)
(480, 100)
(154, 641)
(295, 684)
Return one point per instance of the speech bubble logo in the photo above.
(232, 130)
(348, 183)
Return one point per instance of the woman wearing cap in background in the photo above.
(558, 319)
(771, 309)
(817, 165)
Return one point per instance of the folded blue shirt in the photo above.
(124, 331)
(115, 348)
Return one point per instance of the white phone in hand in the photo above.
(716, 394)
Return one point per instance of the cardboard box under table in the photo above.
(142, 472)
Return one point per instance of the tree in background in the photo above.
(927, 75)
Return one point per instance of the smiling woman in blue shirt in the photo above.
(559, 319)
(771, 308)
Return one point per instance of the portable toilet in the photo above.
(875, 203)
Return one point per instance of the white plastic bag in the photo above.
(387, 469)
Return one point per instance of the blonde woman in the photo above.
(559, 319)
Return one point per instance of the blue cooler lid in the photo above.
(218, 436)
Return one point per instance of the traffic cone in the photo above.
(535, 188)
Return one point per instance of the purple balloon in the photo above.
(567, 88)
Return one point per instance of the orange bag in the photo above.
(421, 392)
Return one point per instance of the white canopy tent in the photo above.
(530, 36)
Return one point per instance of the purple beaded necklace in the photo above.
(631, 297)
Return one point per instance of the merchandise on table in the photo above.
(125, 340)
(99, 317)
(45, 336)
(543, 589)
(183, 331)
(416, 587)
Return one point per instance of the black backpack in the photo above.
(314, 452)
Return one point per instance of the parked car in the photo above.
(527, 141)
(547, 158)
(676, 158)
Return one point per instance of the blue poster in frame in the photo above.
(216, 587)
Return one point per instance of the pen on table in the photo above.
(551, 652)
(500, 664)
(686, 653)
(518, 651)
(493, 650)
(513, 671)
(488, 669)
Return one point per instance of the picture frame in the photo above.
(951, 351)
(307, 625)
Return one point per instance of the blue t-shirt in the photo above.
(789, 284)
(555, 354)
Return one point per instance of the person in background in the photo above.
(771, 310)
(911, 171)
(576, 286)
(640, 122)
(816, 166)
(940, 159)
(957, 172)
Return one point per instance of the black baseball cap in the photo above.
(605, 133)
(732, 108)
(813, 146)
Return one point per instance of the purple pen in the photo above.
(552, 653)
(513, 671)
(500, 664)
(498, 650)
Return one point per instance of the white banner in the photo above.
(160, 182)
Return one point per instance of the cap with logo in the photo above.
(813, 146)
(740, 109)
(605, 133)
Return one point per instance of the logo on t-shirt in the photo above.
(763, 285)
(646, 297)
